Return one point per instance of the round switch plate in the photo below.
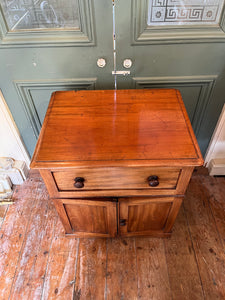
(127, 63)
(101, 62)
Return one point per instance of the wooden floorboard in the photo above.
(185, 281)
(13, 232)
(216, 196)
(91, 269)
(61, 268)
(121, 269)
(30, 273)
(38, 262)
(152, 273)
(3, 211)
(206, 240)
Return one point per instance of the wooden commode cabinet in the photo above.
(117, 162)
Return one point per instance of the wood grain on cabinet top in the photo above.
(116, 128)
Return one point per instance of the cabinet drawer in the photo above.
(116, 178)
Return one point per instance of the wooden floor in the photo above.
(37, 262)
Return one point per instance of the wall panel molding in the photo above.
(83, 36)
(206, 84)
(25, 88)
(144, 34)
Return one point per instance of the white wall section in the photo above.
(215, 155)
(11, 144)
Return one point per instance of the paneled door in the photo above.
(48, 45)
(175, 44)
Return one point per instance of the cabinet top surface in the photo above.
(123, 127)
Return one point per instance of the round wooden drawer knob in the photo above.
(79, 182)
(153, 180)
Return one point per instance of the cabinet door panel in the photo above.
(88, 218)
(147, 216)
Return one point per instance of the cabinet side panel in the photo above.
(184, 180)
(50, 183)
(62, 215)
(173, 213)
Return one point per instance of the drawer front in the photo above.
(116, 178)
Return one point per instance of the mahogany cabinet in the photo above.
(117, 162)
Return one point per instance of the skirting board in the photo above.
(216, 167)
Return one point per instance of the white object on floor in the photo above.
(5, 187)
(16, 170)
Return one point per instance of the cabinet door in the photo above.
(147, 216)
(88, 218)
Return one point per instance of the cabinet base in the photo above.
(152, 234)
